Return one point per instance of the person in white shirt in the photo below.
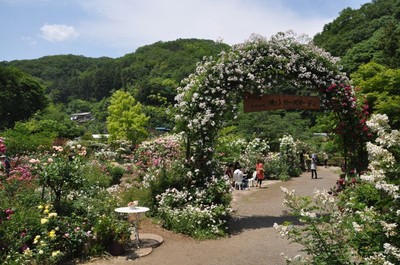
(239, 178)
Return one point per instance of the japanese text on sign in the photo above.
(253, 103)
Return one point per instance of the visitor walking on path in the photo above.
(314, 166)
(260, 173)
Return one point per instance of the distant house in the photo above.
(99, 136)
(82, 117)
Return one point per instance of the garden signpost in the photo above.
(253, 103)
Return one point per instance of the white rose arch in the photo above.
(258, 66)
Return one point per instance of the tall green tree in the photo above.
(20, 96)
(381, 86)
(126, 121)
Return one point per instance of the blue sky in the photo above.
(31, 29)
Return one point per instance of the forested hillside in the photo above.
(152, 69)
(361, 35)
(368, 42)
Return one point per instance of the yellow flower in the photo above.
(27, 251)
(46, 211)
(36, 240)
(44, 220)
(52, 233)
(47, 207)
(41, 251)
(40, 207)
(55, 253)
(52, 215)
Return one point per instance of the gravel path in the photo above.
(252, 239)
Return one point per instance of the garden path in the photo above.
(252, 239)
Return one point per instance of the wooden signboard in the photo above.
(253, 103)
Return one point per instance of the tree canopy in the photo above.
(126, 121)
(369, 33)
(21, 96)
(381, 86)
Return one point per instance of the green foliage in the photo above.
(380, 85)
(116, 173)
(229, 145)
(159, 117)
(126, 120)
(272, 125)
(159, 68)
(22, 140)
(21, 96)
(109, 228)
(54, 119)
(96, 176)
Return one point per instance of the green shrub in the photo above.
(109, 228)
(116, 173)
(95, 175)
(21, 140)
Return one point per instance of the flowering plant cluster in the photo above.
(39, 245)
(352, 127)
(154, 157)
(157, 151)
(61, 170)
(195, 211)
(289, 151)
(361, 225)
(255, 150)
(22, 172)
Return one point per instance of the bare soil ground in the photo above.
(252, 238)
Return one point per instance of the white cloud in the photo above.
(124, 23)
(58, 33)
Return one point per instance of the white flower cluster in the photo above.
(191, 207)
(254, 150)
(392, 250)
(379, 123)
(323, 197)
(288, 147)
(381, 159)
